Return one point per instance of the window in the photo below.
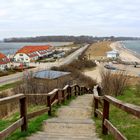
(20, 54)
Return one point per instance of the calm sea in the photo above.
(11, 48)
(132, 45)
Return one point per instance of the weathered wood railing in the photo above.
(22, 122)
(104, 115)
(54, 97)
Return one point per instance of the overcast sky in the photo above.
(20, 18)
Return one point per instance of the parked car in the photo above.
(110, 67)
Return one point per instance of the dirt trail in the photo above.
(73, 122)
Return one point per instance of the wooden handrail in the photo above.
(106, 124)
(129, 108)
(52, 92)
(11, 99)
(53, 97)
(4, 133)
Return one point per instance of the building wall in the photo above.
(21, 57)
(2, 66)
(109, 55)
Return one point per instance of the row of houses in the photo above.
(26, 54)
(32, 53)
(29, 54)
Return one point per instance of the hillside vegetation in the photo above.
(98, 49)
(128, 125)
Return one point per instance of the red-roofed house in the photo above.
(32, 53)
(4, 61)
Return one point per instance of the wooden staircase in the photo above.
(73, 122)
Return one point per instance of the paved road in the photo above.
(18, 76)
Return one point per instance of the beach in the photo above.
(125, 54)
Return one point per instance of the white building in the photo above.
(112, 54)
(32, 53)
(4, 62)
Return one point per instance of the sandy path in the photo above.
(94, 74)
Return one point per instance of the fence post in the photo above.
(69, 92)
(79, 90)
(49, 105)
(82, 90)
(105, 116)
(75, 92)
(23, 113)
(57, 97)
(95, 107)
(63, 96)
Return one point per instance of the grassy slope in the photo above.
(8, 86)
(98, 49)
(34, 124)
(127, 124)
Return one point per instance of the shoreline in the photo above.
(126, 54)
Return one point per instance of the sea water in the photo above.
(11, 48)
(132, 46)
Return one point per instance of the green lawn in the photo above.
(128, 124)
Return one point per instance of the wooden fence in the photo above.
(105, 102)
(55, 97)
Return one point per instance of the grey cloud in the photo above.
(94, 17)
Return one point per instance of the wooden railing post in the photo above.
(63, 96)
(95, 107)
(105, 116)
(69, 92)
(49, 105)
(79, 90)
(82, 90)
(57, 97)
(75, 91)
(23, 113)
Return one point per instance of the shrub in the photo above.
(113, 83)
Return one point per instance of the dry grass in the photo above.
(98, 49)
(133, 80)
(113, 83)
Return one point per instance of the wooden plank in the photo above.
(114, 131)
(11, 98)
(100, 114)
(40, 94)
(55, 101)
(129, 108)
(37, 113)
(98, 97)
(53, 97)
(52, 92)
(73, 85)
(6, 132)
(65, 88)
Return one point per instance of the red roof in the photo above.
(3, 59)
(31, 49)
